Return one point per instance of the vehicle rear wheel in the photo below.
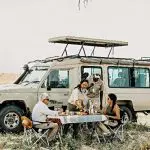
(128, 114)
(10, 119)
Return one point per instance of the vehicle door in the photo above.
(57, 85)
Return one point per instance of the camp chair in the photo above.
(32, 135)
(90, 129)
(117, 132)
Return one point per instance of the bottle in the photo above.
(67, 112)
(92, 109)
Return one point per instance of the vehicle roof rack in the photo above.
(145, 58)
(82, 41)
(87, 41)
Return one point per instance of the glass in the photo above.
(72, 113)
(59, 79)
(56, 109)
(92, 70)
(141, 77)
(95, 111)
(67, 112)
(64, 108)
(118, 77)
(34, 75)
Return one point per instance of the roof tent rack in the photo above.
(145, 58)
(86, 42)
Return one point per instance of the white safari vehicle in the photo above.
(128, 78)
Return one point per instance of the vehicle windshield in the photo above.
(34, 75)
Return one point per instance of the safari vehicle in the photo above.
(57, 76)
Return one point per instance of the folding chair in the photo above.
(94, 131)
(32, 135)
(91, 129)
(117, 132)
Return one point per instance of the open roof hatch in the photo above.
(87, 42)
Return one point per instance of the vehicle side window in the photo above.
(141, 77)
(118, 77)
(59, 79)
(128, 77)
(91, 70)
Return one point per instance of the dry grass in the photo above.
(136, 138)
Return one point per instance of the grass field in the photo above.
(135, 137)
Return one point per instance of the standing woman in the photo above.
(78, 99)
(78, 102)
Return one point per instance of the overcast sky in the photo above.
(26, 25)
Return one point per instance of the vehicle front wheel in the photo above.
(10, 119)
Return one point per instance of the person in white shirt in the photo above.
(77, 102)
(40, 113)
(78, 99)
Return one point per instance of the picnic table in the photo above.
(71, 119)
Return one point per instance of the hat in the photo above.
(44, 96)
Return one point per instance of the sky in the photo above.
(26, 26)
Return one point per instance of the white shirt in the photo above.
(40, 112)
(77, 94)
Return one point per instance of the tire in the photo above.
(10, 119)
(128, 114)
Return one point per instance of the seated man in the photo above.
(39, 116)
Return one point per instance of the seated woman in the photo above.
(78, 102)
(112, 112)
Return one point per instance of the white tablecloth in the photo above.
(80, 118)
